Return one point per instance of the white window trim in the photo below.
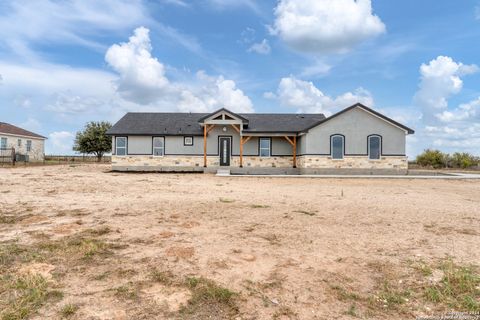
(343, 147)
(6, 143)
(153, 147)
(260, 147)
(379, 147)
(116, 147)
(28, 146)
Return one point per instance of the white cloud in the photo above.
(307, 98)
(142, 77)
(477, 12)
(31, 124)
(261, 47)
(447, 128)
(317, 69)
(326, 26)
(233, 4)
(179, 3)
(74, 21)
(60, 142)
(213, 93)
(440, 79)
(143, 80)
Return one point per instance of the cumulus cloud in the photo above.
(142, 77)
(60, 142)
(439, 80)
(307, 98)
(214, 93)
(449, 128)
(326, 26)
(261, 47)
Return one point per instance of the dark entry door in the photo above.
(224, 151)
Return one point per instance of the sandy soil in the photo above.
(283, 245)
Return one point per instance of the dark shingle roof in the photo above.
(16, 131)
(175, 123)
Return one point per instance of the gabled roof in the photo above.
(10, 129)
(176, 123)
(365, 108)
(236, 115)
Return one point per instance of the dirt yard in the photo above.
(81, 242)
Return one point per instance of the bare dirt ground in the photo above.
(94, 244)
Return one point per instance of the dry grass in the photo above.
(127, 245)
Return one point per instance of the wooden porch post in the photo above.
(205, 145)
(294, 151)
(241, 151)
(293, 142)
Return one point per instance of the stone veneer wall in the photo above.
(356, 162)
(197, 161)
(306, 162)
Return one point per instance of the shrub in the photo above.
(463, 160)
(433, 158)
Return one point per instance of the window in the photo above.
(188, 141)
(374, 147)
(19, 142)
(337, 146)
(29, 145)
(265, 147)
(121, 146)
(158, 146)
(3, 143)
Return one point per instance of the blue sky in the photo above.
(63, 63)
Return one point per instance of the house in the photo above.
(354, 140)
(26, 145)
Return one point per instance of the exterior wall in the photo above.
(326, 162)
(136, 162)
(139, 145)
(356, 125)
(37, 152)
(174, 145)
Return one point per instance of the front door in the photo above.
(224, 151)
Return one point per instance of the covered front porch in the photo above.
(234, 155)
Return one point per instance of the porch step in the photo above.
(223, 172)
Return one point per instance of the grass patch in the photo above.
(259, 206)
(208, 298)
(163, 277)
(68, 310)
(308, 213)
(22, 296)
(344, 294)
(126, 292)
(458, 289)
(226, 200)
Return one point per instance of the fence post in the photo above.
(13, 156)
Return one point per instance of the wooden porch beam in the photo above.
(288, 139)
(235, 127)
(210, 128)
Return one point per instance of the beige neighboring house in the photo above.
(28, 146)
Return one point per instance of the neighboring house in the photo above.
(28, 146)
(356, 139)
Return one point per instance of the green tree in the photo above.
(93, 139)
(433, 158)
